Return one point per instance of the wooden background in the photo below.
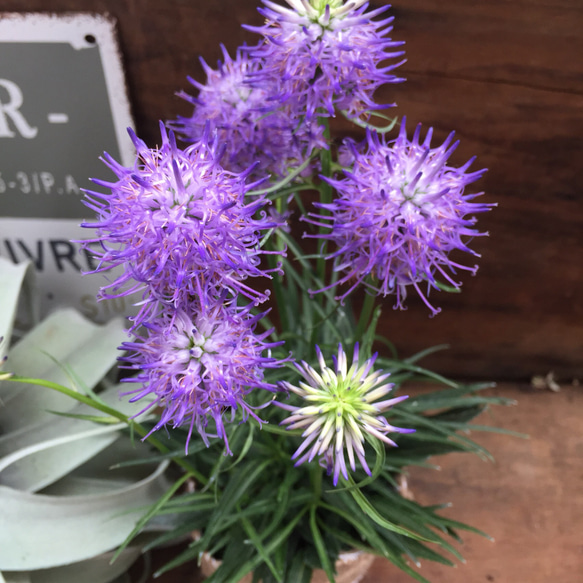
(507, 76)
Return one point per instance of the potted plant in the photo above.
(262, 251)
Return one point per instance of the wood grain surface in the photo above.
(508, 78)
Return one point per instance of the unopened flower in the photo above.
(341, 410)
(199, 364)
(253, 130)
(326, 55)
(400, 211)
(177, 222)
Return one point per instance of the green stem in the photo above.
(379, 130)
(284, 182)
(325, 195)
(278, 290)
(365, 314)
(316, 481)
(139, 429)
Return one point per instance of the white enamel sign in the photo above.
(62, 104)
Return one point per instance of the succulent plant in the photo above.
(71, 489)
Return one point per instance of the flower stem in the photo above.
(365, 314)
(325, 194)
(316, 480)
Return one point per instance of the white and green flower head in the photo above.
(341, 411)
(322, 11)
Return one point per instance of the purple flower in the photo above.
(177, 222)
(199, 364)
(326, 55)
(341, 410)
(251, 125)
(400, 211)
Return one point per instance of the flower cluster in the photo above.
(265, 103)
(187, 234)
(272, 141)
(200, 363)
(176, 223)
(400, 211)
(325, 55)
(341, 411)
(189, 229)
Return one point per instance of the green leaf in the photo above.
(256, 540)
(150, 514)
(74, 343)
(366, 125)
(425, 353)
(359, 521)
(298, 571)
(372, 513)
(55, 528)
(101, 419)
(284, 181)
(14, 279)
(399, 365)
(237, 487)
(275, 542)
(320, 548)
(246, 446)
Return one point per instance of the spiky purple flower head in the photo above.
(254, 128)
(341, 410)
(326, 54)
(400, 211)
(199, 364)
(177, 222)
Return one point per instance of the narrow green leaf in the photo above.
(486, 428)
(358, 521)
(237, 487)
(320, 548)
(246, 446)
(425, 353)
(298, 570)
(379, 545)
(403, 365)
(255, 539)
(150, 514)
(284, 181)
(371, 512)
(276, 541)
(365, 125)
(102, 419)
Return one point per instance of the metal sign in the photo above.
(62, 104)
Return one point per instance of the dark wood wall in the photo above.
(507, 76)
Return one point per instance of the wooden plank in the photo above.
(533, 44)
(530, 500)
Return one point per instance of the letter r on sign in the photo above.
(11, 110)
